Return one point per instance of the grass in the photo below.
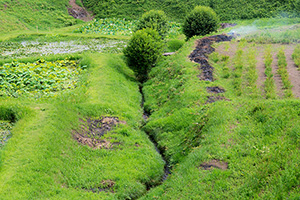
(34, 15)
(51, 164)
(258, 138)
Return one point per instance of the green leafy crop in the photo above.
(38, 78)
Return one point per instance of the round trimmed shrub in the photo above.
(155, 19)
(201, 21)
(143, 51)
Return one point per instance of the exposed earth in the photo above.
(78, 12)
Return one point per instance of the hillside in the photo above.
(178, 9)
(34, 15)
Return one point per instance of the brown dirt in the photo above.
(104, 186)
(202, 50)
(212, 99)
(276, 77)
(294, 74)
(260, 67)
(215, 90)
(91, 132)
(214, 164)
(78, 12)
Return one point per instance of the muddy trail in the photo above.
(79, 12)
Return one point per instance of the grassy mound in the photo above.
(221, 142)
(43, 159)
(34, 15)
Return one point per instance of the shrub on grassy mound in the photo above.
(155, 19)
(201, 21)
(142, 52)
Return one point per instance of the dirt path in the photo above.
(277, 78)
(78, 12)
(294, 74)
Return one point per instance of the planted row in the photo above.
(38, 78)
(282, 71)
(252, 73)
(296, 55)
(270, 90)
(238, 72)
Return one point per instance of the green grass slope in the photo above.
(34, 15)
(42, 160)
(178, 9)
(256, 140)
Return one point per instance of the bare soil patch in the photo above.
(260, 66)
(91, 132)
(214, 164)
(215, 90)
(212, 99)
(104, 186)
(78, 12)
(201, 52)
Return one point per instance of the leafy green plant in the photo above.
(154, 19)
(143, 51)
(109, 26)
(201, 21)
(38, 78)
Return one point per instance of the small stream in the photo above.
(167, 170)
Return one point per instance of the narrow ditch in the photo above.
(167, 169)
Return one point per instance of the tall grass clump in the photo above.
(143, 51)
(270, 90)
(282, 71)
(201, 21)
(296, 55)
(156, 20)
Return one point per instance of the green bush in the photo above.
(201, 21)
(155, 19)
(142, 52)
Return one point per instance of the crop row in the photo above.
(252, 73)
(270, 90)
(238, 72)
(296, 55)
(282, 71)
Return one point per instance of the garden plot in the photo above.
(260, 69)
(41, 48)
(41, 78)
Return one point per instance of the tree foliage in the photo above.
(201, 21)
(142, 52)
